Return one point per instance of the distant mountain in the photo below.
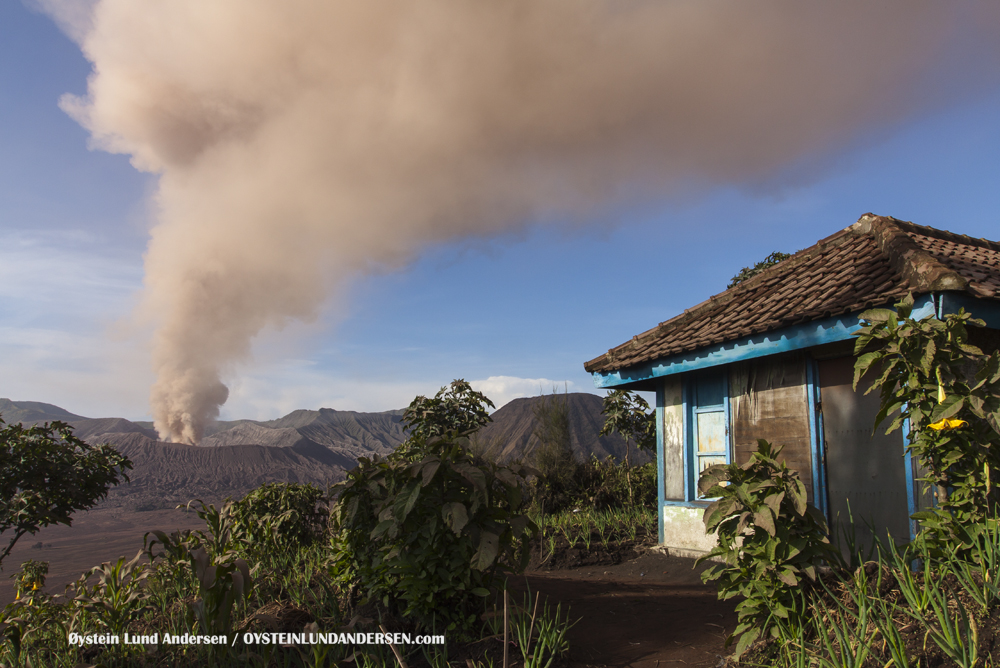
(513, 427)
(32, 412)
(315, 446)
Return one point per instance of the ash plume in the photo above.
(299, 143)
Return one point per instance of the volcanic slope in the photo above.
(511, 434)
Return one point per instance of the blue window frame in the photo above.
(708, 441)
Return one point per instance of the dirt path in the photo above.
(648, 612)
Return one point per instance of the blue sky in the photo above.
(526, 308)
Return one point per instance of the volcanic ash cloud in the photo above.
(299, 143)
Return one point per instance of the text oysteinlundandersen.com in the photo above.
(285, 639)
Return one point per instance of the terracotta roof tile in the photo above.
(875, 261)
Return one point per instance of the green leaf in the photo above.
(486, 554)
(429, 470)
(862, 365)
(773, 502)
(456, 515)
(799, 497)
(764, 519)
(745, 641)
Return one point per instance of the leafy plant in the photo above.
(949, 392)
(424, 536)
(771, 539)
(221, 587)
(225, 537)
(47, 474)
(628, 414)
(31, 577)
(223, 579)
(456, 408)
(280, 516)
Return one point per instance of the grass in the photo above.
(905, 608)
(581, 528)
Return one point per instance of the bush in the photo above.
(426, 531)
(772, 540)
(428, 538)
(605, 484)
(281, 516)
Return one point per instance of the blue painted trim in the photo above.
(729, 431)
(786, 339)
(688, 437)
(911, 490)
(987, 310)
(661, 490)
(816, 441)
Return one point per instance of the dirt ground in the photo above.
(646, 611)
(98, 535)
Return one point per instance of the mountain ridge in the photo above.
(314, 446)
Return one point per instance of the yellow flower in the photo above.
(947, 424)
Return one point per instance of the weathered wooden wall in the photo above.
(865, 472)
(767, 398)
(673, 440)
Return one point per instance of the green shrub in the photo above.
(279, 516)
(772, 540)
(604, 484)
(428, 537)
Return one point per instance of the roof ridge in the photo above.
(921, 270)
(913, 228)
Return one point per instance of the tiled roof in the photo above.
(873, 262)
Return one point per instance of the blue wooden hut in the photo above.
(773, 358)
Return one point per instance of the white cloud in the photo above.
(502, 389)
(64, 333)
(265, 392)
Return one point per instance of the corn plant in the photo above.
(226, 536)
(117, 597)
(429, 530)
(222, 587)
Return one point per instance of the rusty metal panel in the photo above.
(673, 440)
(768, 399)
(864, 470)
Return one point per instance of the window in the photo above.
(708, 417)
